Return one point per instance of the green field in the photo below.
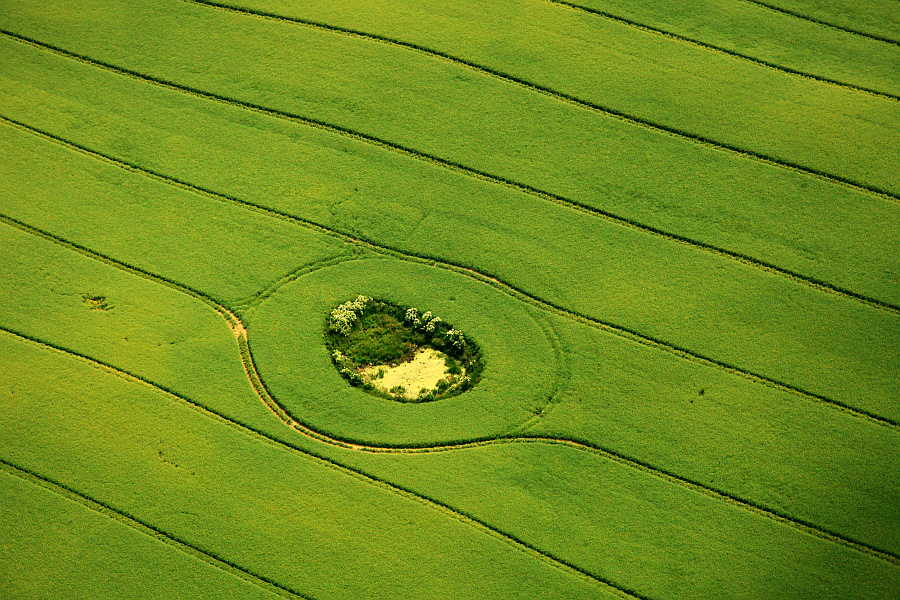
(673, 231)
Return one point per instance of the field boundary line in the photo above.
(746, 259)
(262, 391)
(336, 440)
(626, 222)
(470, 272)
(260, 296)
(717, 48)
(796, 277)
(148, 530)
(800, 15)
(288, 419)
(436, 505)
(612, 455)
(621, 115)
(562, 376)
(260, 388)
(758, 509)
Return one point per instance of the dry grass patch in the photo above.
(421, 374)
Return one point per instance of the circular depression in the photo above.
(287, 341)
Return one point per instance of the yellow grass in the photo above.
(423, 372)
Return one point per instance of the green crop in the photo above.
(68, 547)
(662, 238)
(270, 511)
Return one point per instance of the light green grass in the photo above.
(151, 330)
(726, 310)
(54, 547)
(605, 391)
(769, 447)
(192, 239)
(270, 510)
(714, 484)
(873, 17)
(765, 35)
(640, 531)
(506, 129)
(825, 232)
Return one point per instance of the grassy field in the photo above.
(672, 231)
(55, 548)
(877, 20)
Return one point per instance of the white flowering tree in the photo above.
(456, 338)
(343, 317)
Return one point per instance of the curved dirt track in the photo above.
(241, 336)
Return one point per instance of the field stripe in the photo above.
(260, 296)
(149, 530)
(462, 169)
(799, 524)
(567, 98)
(288, 419)
(455, 167)
(359, 474)
(491, 280)
(779, 517)
(799, 15)
(715, 48)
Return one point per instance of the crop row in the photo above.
(345, 442)
(282, 473)
(203, 554)
(824, 23)
(717, 249)
(318, 458)
(711, 47)
(742, 257)
(609, 111)
(505, 286)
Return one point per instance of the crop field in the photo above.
(662, 240)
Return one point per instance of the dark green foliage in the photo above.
(378, 338)
(96, 302)
(452, 366)
(639, 325)
(383, 335)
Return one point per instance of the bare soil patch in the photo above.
(423, 372)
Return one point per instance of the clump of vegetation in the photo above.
(96, 302)
(366, 333)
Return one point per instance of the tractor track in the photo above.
(626, 222)
(799, 15)
(489, 279)
(713, 48)
(359, 474)
(564, 97)
(149, 530)
(240, 332)
(241, 335)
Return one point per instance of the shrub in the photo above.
(452, 365)
(343, 317)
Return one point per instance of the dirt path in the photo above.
(240, 333)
